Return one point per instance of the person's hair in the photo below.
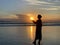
(39, 16)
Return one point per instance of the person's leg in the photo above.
(39, 42)
(34, 42)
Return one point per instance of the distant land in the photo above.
(8, 23)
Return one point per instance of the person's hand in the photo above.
(33, 21)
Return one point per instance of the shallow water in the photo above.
(24, 35)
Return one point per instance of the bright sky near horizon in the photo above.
(49, 9)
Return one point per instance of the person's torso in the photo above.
(39, 23)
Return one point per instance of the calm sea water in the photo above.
(24, 35)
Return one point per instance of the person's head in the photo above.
(39, 16)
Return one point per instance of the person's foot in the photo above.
(38, 43)
(34, 43)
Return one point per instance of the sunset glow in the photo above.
(29, 9)
(32, 18)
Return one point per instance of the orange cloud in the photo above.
(11, 16)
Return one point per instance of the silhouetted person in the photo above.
(38, 35)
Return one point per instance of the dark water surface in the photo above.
(24, 35)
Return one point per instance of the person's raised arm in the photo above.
(34, 22)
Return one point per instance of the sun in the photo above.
(31, 18)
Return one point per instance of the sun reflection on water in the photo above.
(31, 32)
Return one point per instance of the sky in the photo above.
(49, 9)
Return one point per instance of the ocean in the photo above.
(24, 35)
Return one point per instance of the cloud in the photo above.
(52, 8)
(37, 2)
(56, 0)
(49, 8)
(10, 16)
(56, 7)
(23, 18)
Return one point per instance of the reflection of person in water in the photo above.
(38, 35)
